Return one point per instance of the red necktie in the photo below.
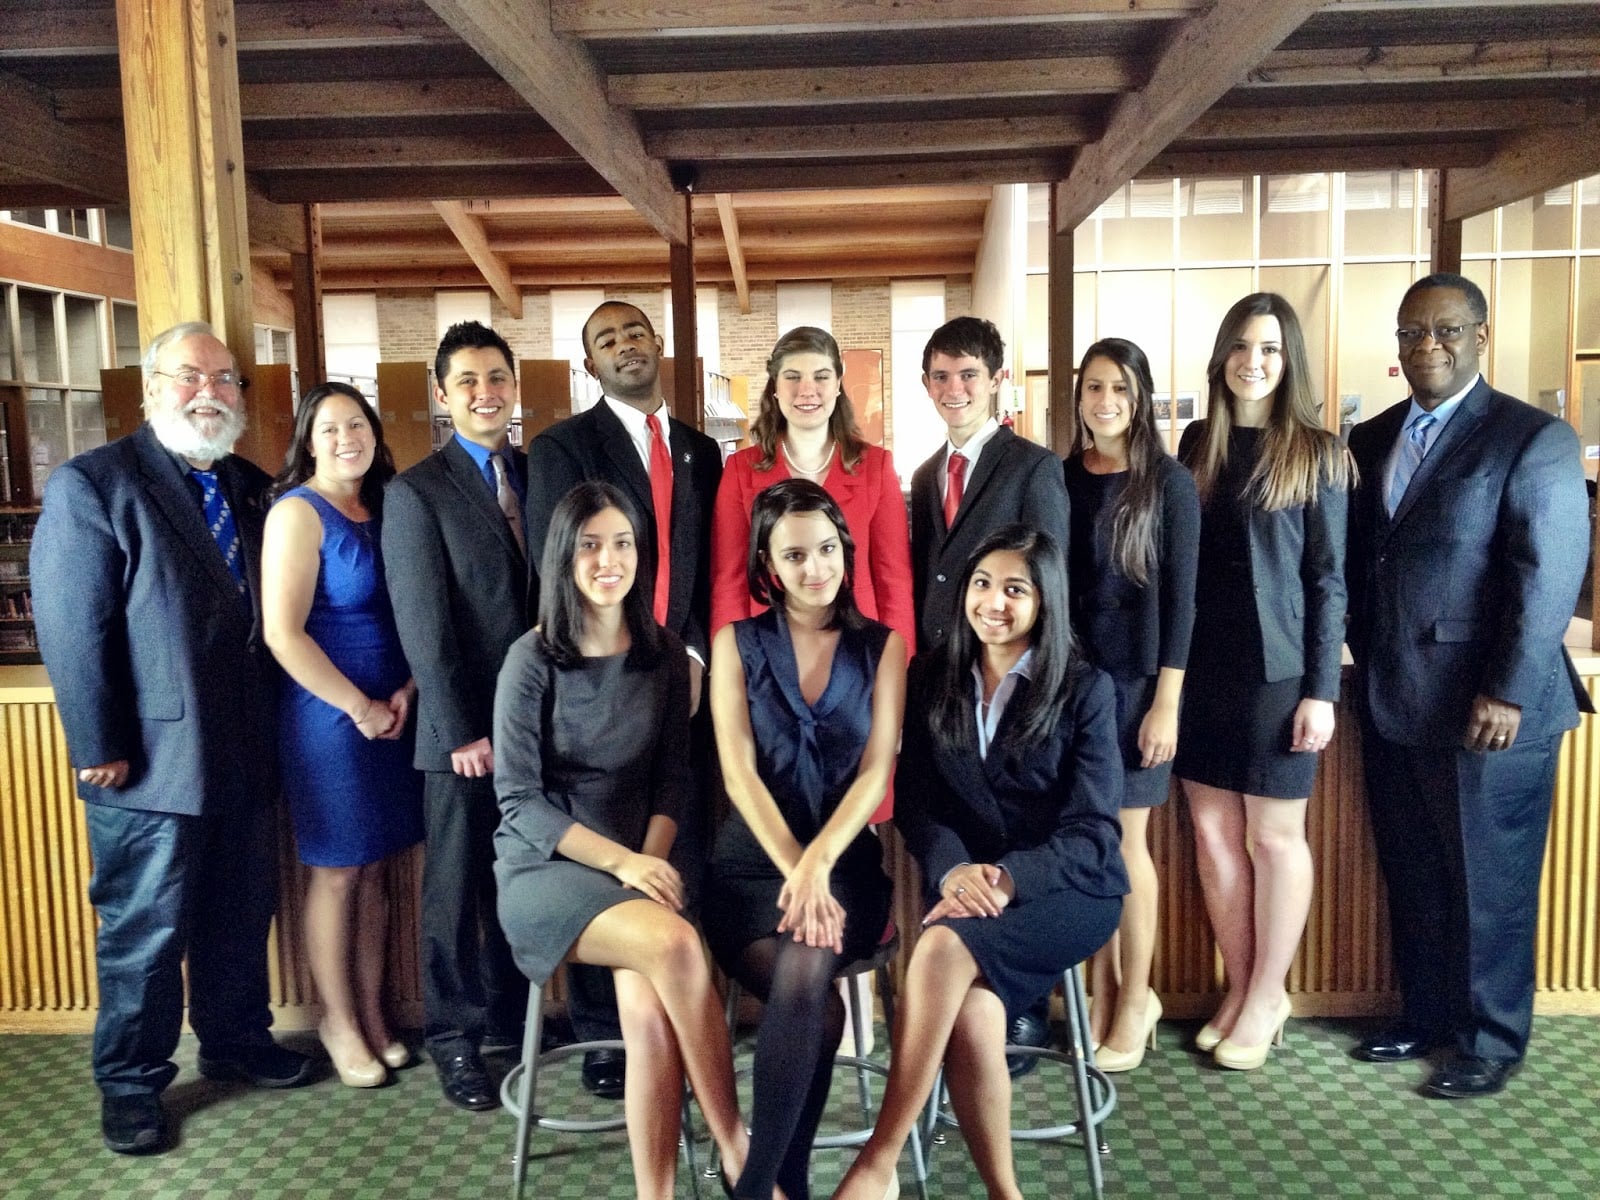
(661, 498)
(956, 465)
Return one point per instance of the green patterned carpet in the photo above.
(1313, 1123)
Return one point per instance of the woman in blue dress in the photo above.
(806, 700)
(345, 736)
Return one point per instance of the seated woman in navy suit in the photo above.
(591, 738)
(806, 700)
(1011, 785)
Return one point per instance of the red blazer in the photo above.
(874, 509)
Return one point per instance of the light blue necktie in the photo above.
(1410, 458)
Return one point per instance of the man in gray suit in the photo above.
(146, 596)
(1468, 539)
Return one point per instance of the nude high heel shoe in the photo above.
(396, 1055)
(369, 1074)
(1208, 1037)
(1111, 1060)
(1235, 1057)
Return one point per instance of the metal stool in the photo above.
(1096, 1095)
(517, 1093)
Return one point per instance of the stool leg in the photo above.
(731, 1011)
(531, 1039)
(1088, 1127)
(686, 1123)
(858, 1027)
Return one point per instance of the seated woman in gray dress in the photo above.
(1010, 787)
(345, 741)
(806, 700)
(591, 734)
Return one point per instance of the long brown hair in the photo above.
(1297, 453)
(769, 424)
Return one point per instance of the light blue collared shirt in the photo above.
(1441, 418)
(989, 715)
(481, 456)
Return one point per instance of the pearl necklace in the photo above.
(812, 473)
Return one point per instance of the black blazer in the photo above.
(1297, 568)
(459, 585)
(1152, 632)
(1048, 814)
(152, 653)
(595, 445)
(1014, 480)
(1468, 589)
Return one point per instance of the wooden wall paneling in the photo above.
(121, 400)
(546, 391)
(404, 408)
(271, 406)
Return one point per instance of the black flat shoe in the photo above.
(1398, 1043)
(1030, 1028)
(267, 1066)
(1466, 1076)
(133, 1124)
(603, 1072)
(466, 1082)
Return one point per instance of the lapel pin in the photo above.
(688, 457)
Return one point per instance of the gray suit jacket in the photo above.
(154, 656)
(1467, 590)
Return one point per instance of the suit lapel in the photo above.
(469, 481)
(1454, 435)
(617, 445)
(170, 491)
(988, 464)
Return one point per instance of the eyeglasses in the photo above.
(1411, 335)
(193, 381)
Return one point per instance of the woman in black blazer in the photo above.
(1264, 664)
(1131, 565)
(1011, 782)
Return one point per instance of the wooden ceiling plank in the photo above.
(492, 149)
(730, 238)
(1206, 56)
(1429, 155)
(1086, 75)
(903, 267)
(651, 18)
(281, 226)
(860, 197)
(426, 183)
(33, 143)
(1524, 164)
(1536, 57)
(1354, 120)
(469, 232)
(556, 76)
(739, 178)
(873, 139)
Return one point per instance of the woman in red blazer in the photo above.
(805, 428)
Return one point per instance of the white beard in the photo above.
(174, 430)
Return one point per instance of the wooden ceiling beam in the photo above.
(281, 226)
(771, 87)
(469, 232)
(860, 197)
(1530, 58)
(335, 153)
(871, 139)
(556, 76)
(427, 183)
(34, 144)
(986, 170)
(1363, 120)
(1524, 164)
(311, 101)
(597, 19)
(730, 239)
(1272, 160)
(1206, 55)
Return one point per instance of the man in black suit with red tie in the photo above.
(1468, 540)
(670, 471)
(453, 550)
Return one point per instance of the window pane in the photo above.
(1477, 234)
(1137, 305)
(8, 369)
(1528, 331)
(40, 359)
(1542, 222)
(1379, 207)
(1589, 213)
(30, 216)
(1306, 290)
(1203, 296)
(1085, 313)
(119, 228)
(47, 434)
(83, 341)
(1214, 222)
(88, 421)
(1588, 322)
(1294, 216)
(1138, 230)
(1368, 379)
(125, 325)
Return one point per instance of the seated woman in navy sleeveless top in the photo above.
(806, 700)
(345, 737)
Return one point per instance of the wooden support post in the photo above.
(686, 404)
(310, 343)
(1444, 234)
(186, 185)
(1062, 363)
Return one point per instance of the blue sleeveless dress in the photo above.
(353, 801)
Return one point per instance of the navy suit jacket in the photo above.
(154, 656)
(1468, 589)
(1013, 481)
(595, 445)
(459, 585)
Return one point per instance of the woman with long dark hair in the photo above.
(1011, 782)
(1264, 663)
(345, 736)
(1131, 568)
(591, 738)
(806, 700)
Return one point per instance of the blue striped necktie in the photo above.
(1409, 459)
(219, 520)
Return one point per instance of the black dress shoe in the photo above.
(133, 1124)
(603, 1072)
(1030, 1028)
(466, 1082)
(1398, 1043)
(1465, 1076)
(268, 1065)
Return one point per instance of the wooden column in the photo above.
(1444, 235)
(686, 405)
(310, 344)
(1061, 321)
(186, 187)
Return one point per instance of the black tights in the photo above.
(799, 1035)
